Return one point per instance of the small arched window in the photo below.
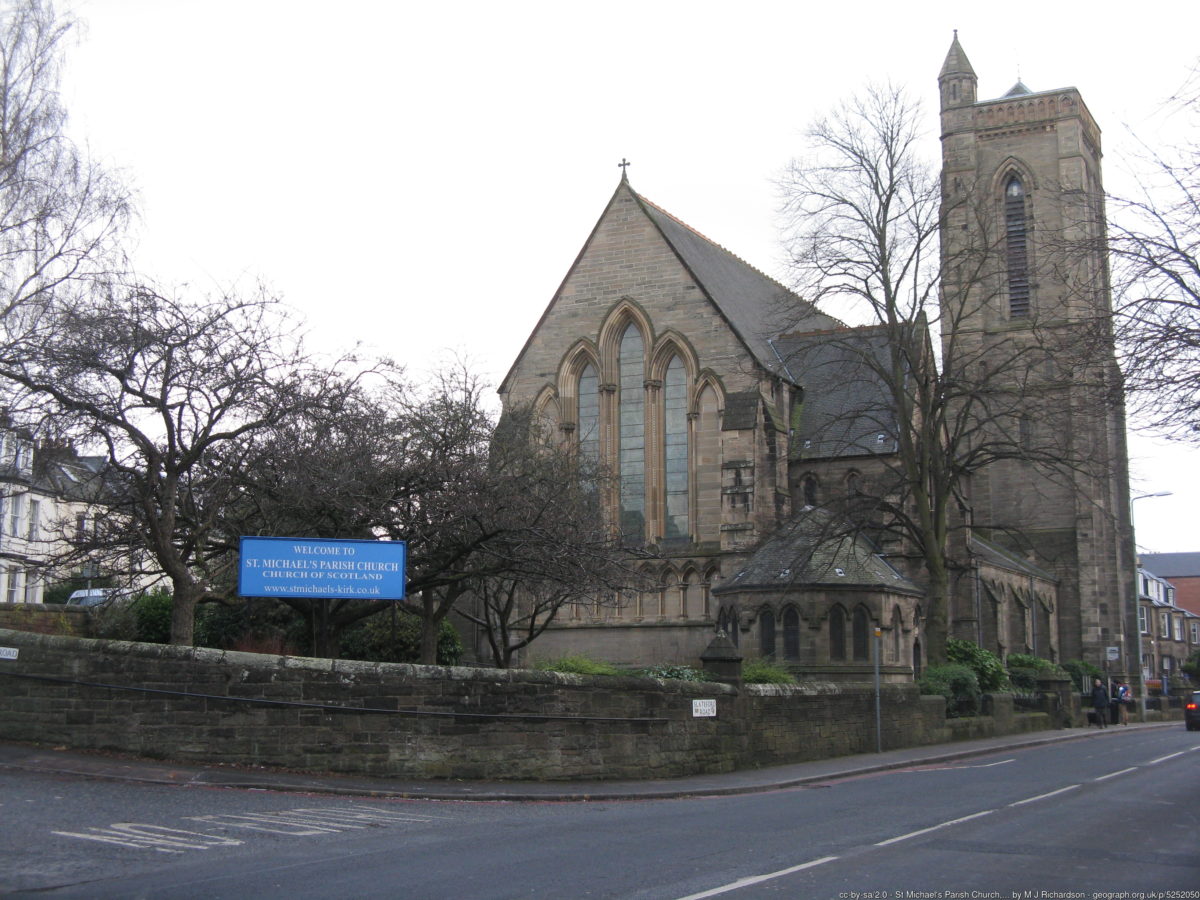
(1017, 248)
(810, 490)
(766, 634)
(853, 484)
(791, 633)
(862, 643)
(837, 634)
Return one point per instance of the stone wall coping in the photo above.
(357, 669)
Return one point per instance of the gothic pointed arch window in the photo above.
(766, 634)
(675, 451)
(791, 633)
(837, 634)
(809, 486)
(631, 456)
(589, 414)
(1016, 247)
(860, 639)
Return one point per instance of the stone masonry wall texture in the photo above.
(429, 722)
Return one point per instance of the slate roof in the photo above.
(996, 555)
(752, 303)
(846, 405)
(811, 549)
(1171, 565)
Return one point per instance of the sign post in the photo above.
(878, 715)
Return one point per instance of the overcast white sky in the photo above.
(419, 176)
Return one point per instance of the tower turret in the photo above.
(957, 79)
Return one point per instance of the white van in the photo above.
(93, 596)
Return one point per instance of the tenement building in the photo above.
(747, 453)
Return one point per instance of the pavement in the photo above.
(61, 761)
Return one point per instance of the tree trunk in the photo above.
(327, 635)
(429, 628)
(185, 596)
(937, 614)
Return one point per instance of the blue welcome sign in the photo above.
(307, 567)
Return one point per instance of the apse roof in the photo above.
(814, 548)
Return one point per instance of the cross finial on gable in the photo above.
(624, 165)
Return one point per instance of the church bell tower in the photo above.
(1025, 287)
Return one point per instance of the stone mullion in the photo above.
(610, 437)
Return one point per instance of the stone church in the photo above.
(661, 357)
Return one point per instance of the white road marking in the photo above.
(1165, 758)
(757, 879)
(913, 834)
(156, 837)
(1069, 787)
(1115, 774)
(306, 822)
(949, 768)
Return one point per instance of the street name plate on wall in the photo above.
(704, 708)
(8, 652)
(310, 567)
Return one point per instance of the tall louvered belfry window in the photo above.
(632, 434)
(1017, 244)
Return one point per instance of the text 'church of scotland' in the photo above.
(739, 450)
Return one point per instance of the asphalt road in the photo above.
(1117, 813)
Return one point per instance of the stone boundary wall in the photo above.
(46, 618)
(424, 721)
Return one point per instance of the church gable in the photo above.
(627, 261)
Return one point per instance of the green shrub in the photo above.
(145, 617)
(764, 671)
(989, 670)
(1025, 670)
(1082, 673)
(577, 664)
(372, 640)
(255, 625)
(957, 683)
(152, 613)
(1192, 666)
(676, 673)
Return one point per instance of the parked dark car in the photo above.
(1191, 712)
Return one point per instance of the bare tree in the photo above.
(1155, 247)
(501, 526)
(927, 406)
(60, 214)
(169, 391)
(333, 469)
(552, 545)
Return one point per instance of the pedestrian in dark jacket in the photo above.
(1100, 703)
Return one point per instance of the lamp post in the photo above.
(1137, 631)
